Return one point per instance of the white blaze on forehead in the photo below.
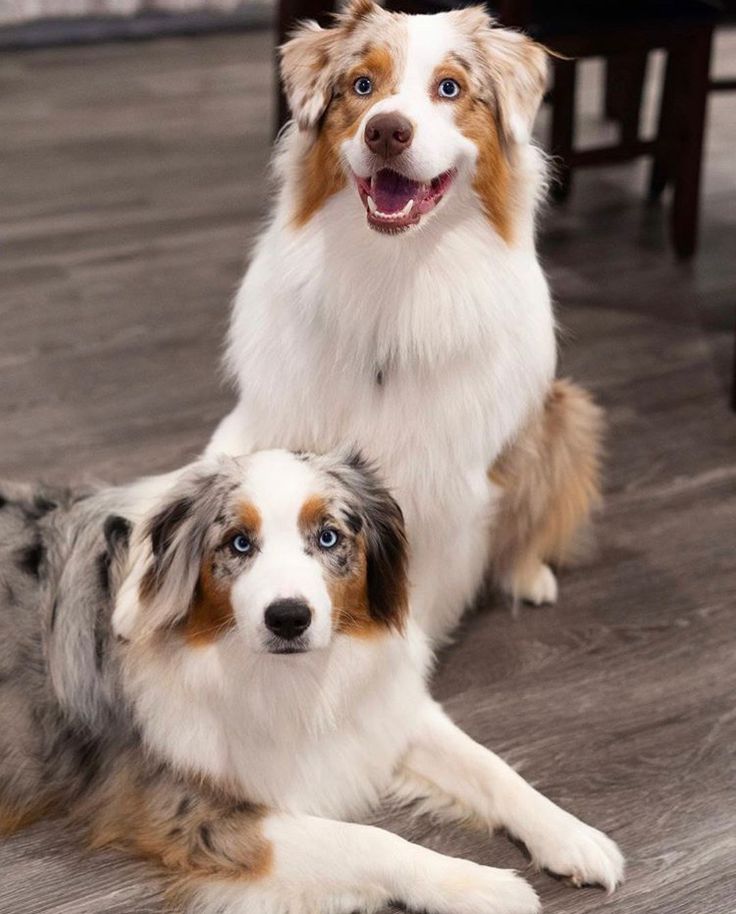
(278, 483)
(429, 40)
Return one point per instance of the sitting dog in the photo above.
(396, 304)
(216, 670)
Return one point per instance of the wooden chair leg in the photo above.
(672, 89)
(688, 162)
(634, 78)
(612, 99)
(562, 133)
(288, 13)
(624, 89)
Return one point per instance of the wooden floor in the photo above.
(131, 179)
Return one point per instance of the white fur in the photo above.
(323, 736)
(276, 483)
(336, 868)
(457, 321)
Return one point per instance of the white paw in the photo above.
(468, 888)
(537, 585)
(574, 850)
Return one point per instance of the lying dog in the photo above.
(396, 304)
(214, 675)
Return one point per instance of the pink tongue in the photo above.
(391, 191)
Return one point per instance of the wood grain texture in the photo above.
(132, 179)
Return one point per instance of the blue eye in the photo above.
(328, 538)
(241, 544)
(363, 85)
(448, 88)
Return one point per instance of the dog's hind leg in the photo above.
(549, 479)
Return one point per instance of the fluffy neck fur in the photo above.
(287, 732)
(370, 292)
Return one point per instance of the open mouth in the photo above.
(394, 202)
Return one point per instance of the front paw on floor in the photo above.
(580, 855)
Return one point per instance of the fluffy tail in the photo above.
(550, 476)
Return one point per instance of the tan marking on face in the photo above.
(351, 613)
(211, 613)
(312, 513)
(250, 518)
(477, 121)
(348, 591)
(321, 172)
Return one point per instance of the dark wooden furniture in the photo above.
(684, 32)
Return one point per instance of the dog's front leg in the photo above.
(227, 857)
(321, 866)
(448, 772)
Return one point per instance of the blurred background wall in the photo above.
(17, 11)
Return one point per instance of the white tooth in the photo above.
(400, 215)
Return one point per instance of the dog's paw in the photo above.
(581, 854)
(468, 888)
(536, 585)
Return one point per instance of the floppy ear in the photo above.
(307, 74)
(309, 62)
(518, 67)
(387, 553)
(512, 66)
(166, 555)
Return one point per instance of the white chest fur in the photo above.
(319, 733)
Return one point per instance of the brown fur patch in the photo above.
(211, 613)
(477, 121)
(349, 596)
(551, 481)
(312, 513)
(355, 12)
(250, 518)
(322, 174)
(348, 589)
(13, 819)
(192, 831)
(321, 177)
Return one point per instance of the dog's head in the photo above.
(280, 550)
(410, 109)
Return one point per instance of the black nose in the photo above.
(388, 134)
(288, 618)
